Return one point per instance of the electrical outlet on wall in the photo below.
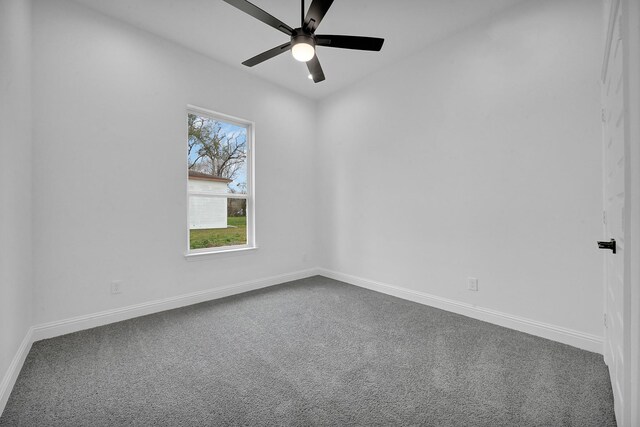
(116, 287)
(472, 284)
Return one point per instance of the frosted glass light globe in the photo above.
(302, 52)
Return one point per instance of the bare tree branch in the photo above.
(216, 153)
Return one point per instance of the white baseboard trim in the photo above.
(79, 323)
(545, 330)
(11, 375)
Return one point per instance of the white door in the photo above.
(615, 212)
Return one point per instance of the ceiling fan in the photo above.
(304, 40)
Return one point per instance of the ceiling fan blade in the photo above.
(350, 42)
(267, 55)
(261, 15)
(315, 69)
(316, 12)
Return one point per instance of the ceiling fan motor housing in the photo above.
(301, 36)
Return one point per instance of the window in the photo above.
(220, 182)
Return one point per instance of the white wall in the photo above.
(16, 286)
(479, 156)
(486, 143)
(110, 102)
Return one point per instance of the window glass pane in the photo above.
(217, 156)
(219, 188)
(217, 221)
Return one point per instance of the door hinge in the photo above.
(604, 217)
(605, 320)
(603, 116)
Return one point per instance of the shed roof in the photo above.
(207, 177)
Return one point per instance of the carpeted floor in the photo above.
(310, 352)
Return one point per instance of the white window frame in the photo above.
(249, 196)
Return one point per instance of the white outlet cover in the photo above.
(472, 284)
(116, 287)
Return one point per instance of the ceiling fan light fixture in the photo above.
(303, 52)
(303, 47)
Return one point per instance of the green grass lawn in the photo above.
(234, 234)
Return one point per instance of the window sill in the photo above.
(205, 254)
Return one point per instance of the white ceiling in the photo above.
(218, 30)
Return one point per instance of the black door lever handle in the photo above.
(608, 245)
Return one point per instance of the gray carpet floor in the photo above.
(310, 352)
